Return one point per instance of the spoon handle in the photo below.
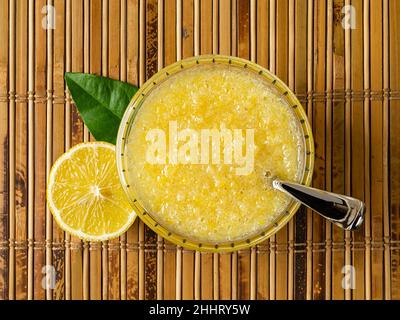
(344, 211)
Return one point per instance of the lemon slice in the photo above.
(85, 195)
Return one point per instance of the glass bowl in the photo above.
(126, 125)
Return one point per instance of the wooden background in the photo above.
(347, 80)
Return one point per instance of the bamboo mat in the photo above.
(347, 80)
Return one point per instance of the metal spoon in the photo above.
(344, 211)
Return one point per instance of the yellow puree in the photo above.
(210, 202)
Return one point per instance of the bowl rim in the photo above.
(128, 119)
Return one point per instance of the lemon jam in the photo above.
(211, 202)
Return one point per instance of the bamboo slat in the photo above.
(11, 153)
(234, 52)
(243, 51)
(322, 166)
(282, 40)
(327, 248)
(30, 148)
(77, 136)
(291, 77)
(38, 145)
(21, 151)
(358, 147)
(366, 72)
(86, 137)
(93, 51)
(272, 68)
(170, 55)
(346, 79)
(300, 88)
(196, 51)
(225, 46)
(347, 151)
(58, 137)
(385, 153)
(142, 71)
(114, 65)
(310, 79)
(206, 26)
(132, 39)
(338, 143)
(187, 50)
(179, 30)
(151, 64)
(4, 143)
(376, 122)
(104, 71)
(208, 34)
(160, 240)
(66, 276)
(394, 200)
(262, 58)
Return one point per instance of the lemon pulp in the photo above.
(210, 202)
(85, 195)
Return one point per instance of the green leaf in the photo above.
(101, 102)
